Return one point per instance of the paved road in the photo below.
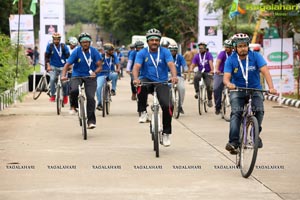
(44, 157)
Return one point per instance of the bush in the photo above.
(8, 64)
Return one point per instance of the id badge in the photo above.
(62, 61)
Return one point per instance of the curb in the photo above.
(285, 101)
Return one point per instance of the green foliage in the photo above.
(79, 11)
(174, 18)
(8, 64)
(75, 31)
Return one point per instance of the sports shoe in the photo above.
(260, 144)
(196, 96)
(217, 112)
(73, 112)
(66, 100)
(133, 97)
(113, 92)
(99, 107)
(232, 148)
(52, 99)
(91, 126)
(166, 139)
(144, 117)
(181, 110)
(209, 104)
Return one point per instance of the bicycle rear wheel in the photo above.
(104, 96)
(39, 88)
(200, 101)
(176, 103)
(156, 131)
(225, 108)
(58, 99)
(249, 147)
(83, 117)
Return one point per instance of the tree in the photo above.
(174, 18)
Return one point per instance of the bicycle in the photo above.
(225, 105)
(176, 99)
(42, 86)
(59, 95)
(155, 123)
(249, 136)
(106, 97)
(82, 115)
(202, 96)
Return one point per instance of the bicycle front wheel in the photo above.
(39, 88)
(156, 132)
(83, 117)
(108, 99)
(249, 146)
(104, 96)
(58, 99)
(176, 103)
(225, 108)
(205, 99)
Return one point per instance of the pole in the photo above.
(20, 11)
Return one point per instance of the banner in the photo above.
(209, 30)
(280, 72)
(52, 19)
(26, 34)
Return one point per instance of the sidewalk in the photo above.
(43, 155)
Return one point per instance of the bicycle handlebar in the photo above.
(249, 89)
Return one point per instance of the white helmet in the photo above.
(73, 41)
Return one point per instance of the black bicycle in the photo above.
(249, 136)
(106, 96)
(42, 86)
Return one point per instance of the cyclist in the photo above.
(55, 58)
(165, 43)
(109, 60)
(218, 77)
(180, 66)
(203, 60)
(121, 60)
(138, 46)
(73, 43)
(87, 63)
(151, 65)
(242, 69)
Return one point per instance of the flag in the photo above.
(33, 6)
(235, 9)
(15, 1)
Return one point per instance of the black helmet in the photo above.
(139, 44)
(84, 37)
(108, 47)
(153, 33)
(227, 43)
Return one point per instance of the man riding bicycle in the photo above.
(55, 58)
(138, 46)
(242, 69)
(205, 69)
(87, 63)
(110, 60)
(152, 65)
(180, 66)
(218, 77)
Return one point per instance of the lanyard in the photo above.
(176, 59)
(245, 74)
(202, 62)
(58, 52)
(88, 61)
(157, 60)
(110, 62)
